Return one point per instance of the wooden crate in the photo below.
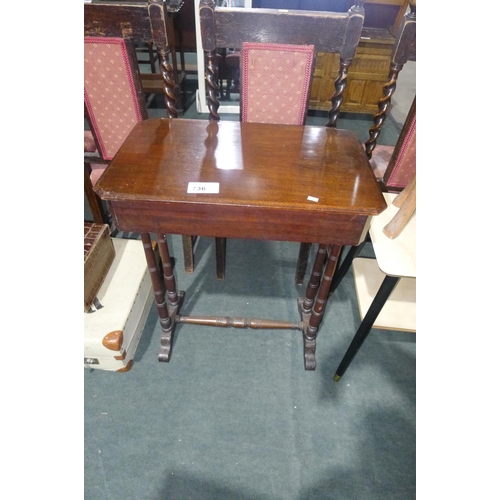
(99, 253)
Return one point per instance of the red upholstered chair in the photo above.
(113, 96)
(395, 166)
(278, 52)
(113, 105)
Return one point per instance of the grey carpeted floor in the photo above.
(234, 415)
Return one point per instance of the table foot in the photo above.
(309, 343)
(336, 378)
(165, 347)
(167, 335)
(309, 353)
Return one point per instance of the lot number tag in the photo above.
(203, 187)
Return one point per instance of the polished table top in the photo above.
(278, 182)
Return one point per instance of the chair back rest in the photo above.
(403, 162)
(278, 51)
(405, 49)
(275, 82)
(112, 92)
(113, 96)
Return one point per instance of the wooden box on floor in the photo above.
(98, 256)
(112, 333)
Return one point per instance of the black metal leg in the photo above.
(220, 258)
(346, 264)
(188, 251)
(380, 299)
(302, 263)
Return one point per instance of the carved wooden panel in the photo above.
(366, 77)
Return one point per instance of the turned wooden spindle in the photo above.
(158, 284)
(168, 273)
(319, 304)
(254, 323)
(167, 74)
(313, 285)
(207, 27)
(340, 85)
(356, 18)
(403, 50)
(160, 39)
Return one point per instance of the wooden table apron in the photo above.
(276, 182)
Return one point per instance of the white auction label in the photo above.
(203, 187)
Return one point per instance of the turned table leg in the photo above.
(313, 285)
(167, 309)
(168, 272)
(159, 295)
(321, 297)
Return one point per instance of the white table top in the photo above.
(395, 257)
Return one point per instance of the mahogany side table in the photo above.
(242, 180)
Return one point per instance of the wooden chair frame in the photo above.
(134, 22)
(405, 49)
(138, 22)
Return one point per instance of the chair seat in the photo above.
(380, 159)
